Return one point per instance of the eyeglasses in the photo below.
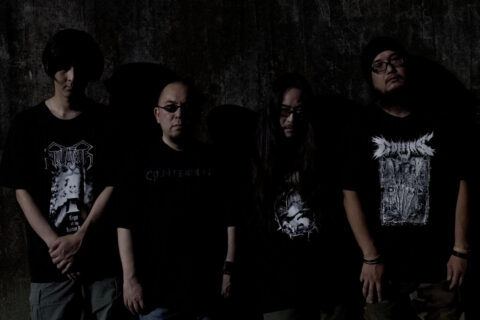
(381, 66)
(286, 111)
(172, 108)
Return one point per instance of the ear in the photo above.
(156, 112)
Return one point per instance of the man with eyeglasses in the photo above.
(405, 194)
(172, 229)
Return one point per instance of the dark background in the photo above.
(230, 48)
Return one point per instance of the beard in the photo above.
(399, 96)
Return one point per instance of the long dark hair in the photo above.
(277, 155)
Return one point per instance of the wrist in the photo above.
(461, 253)
(371, 254)
(49, 241)
(127, 277)
(376, 260)
(228, 267)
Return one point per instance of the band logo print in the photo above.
(404, 170)
(71, 186)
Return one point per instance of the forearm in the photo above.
(125, 247)
(35, 218)
(462, 217)
(96, 211)
(231, 244)
(358, 224)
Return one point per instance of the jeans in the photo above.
(172, 314)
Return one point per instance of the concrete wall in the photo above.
(230, 48)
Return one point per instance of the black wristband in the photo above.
(460, 255)
(228, 267)
(376, 260)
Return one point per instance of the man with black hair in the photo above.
(56, 160)
(405, 194)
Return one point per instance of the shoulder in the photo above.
(29, 116)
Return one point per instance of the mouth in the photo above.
(394, 79)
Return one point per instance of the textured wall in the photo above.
(230, 48)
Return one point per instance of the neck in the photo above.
(175, 145)
(63, 107)
(396, 111)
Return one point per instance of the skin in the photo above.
(173, 131)
(372, 275)
(392, 79)
(172, 124)
(291, 99)
(69, 90)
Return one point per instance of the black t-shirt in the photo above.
(171, 200)
(407, 172)
(298, 254)
(63, 165)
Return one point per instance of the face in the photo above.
(291, 112)
(67, 82)
(172, 123)
(393, 77)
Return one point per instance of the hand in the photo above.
(133, 295)
(63, 250)
(456, 268)
(73, 275)
(371, 277)
(226, 286)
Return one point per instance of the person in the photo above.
(56, 159)
(173, 231)
(297, 204)
(406, 194)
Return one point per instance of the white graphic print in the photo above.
(404, 168)
(292, 214)
(71, 189)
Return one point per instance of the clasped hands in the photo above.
(63, 252)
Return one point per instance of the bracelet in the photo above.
(377, 260)
(460, 255)
(460, 250)
(228, 267)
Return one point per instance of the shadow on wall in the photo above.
(14, 276)
(134, 92)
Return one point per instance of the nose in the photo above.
(178, 112)
(70, 74)
(290, 117)
(390, 68)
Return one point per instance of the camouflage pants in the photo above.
(417, 301)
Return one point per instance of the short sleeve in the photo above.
(353, 159)
(14, 168)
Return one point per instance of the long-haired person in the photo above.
(296, 206)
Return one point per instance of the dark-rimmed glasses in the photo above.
(286, 111)
(381, 66)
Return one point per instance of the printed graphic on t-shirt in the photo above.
(404, 169)
(71, 189)
(293, 216)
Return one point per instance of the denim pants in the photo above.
(172, 314)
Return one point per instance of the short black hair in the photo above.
(70, 47)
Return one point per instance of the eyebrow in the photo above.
(290, 107)
(173, 101)
(389, 57)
